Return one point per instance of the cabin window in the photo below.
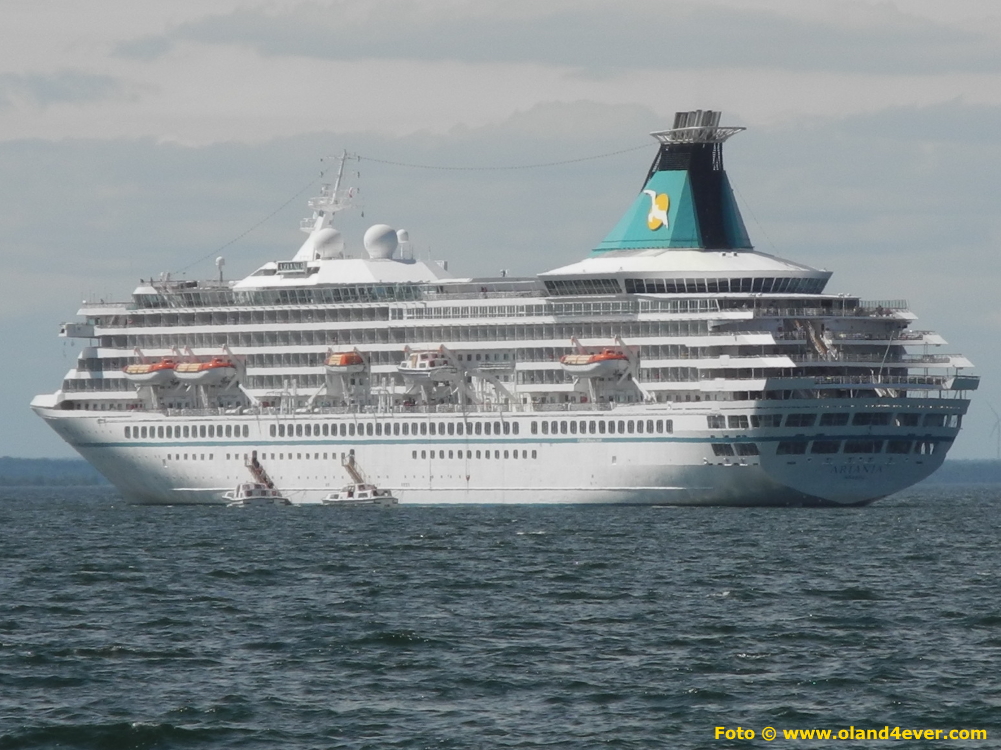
(639, 425)
(170, 431)
(211, 429)
(128, 432)
(514, 427)
(496, 454)
(246, 430)
(229, 430)
(281, 430)
(424, 454)
(801, 420)
(573, 428)
(534, 428)
(898, 446)
(535, 454)
(716, 421)
(611, 427)
(834, 419)
(477, 454)
(934, 420)
(622, 426)
(669, 425)
(441, 428)
(486, 454)
(326, 429)
(351, 429)
(825, 446)
(298, 430)
(870, 418)
(307, 430)
(344, 429)
(506, 454)
(413, 428)
(406, 428)
(431, 428)
(601, 427)
(722, 449)
(630, 426)
(507, 428)
(863, 446)
(907, 420)
(144, 432)
(545, 428)
(791, 448)
(186, 432)
(396, 428)
(497, 428)
(450, 454)
(747, 449)
(451, 429)
(414, 454)
(459, 429)
(563, 428)
(369, 429)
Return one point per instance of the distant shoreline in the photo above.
(75, 472)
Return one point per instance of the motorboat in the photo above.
(151, 373)
(254, 494)
(361, 495)
(217, 370)
(344, 363)
(427, 366)
(607, 362)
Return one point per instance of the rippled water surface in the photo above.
(558, 627)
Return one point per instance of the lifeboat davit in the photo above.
(343, 363)
(213, 372)
(155, 373)
(427, 366)
(601, 364)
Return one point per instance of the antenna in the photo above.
(219, 263)
(996, 431)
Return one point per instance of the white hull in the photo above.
(674, 469)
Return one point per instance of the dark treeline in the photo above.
(47, 472)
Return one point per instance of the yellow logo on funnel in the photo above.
(659, 203)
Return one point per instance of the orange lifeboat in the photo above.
(601, 364)
(155, 373)
(342, 363)
(213, 372)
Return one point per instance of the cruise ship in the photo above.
(674, 364)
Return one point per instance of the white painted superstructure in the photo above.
(737, 379)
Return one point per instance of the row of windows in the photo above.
(416, 335)
(378, 429)
(171, 432)
(725, 285)
(799, 447)
(497, 454)
(601, 426)
(831, 419)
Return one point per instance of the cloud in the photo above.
(597, 37)
(68, 86)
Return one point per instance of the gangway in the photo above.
(258, 472)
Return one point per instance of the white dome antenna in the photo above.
(381, 241)
(219, 263)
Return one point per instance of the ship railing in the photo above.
(371, 410)
(907, 360)
(895, 336)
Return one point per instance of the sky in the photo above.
(142, 137)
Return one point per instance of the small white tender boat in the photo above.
(254, 494)
(361, 495)
(429, 366)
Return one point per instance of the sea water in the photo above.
(125, 626)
